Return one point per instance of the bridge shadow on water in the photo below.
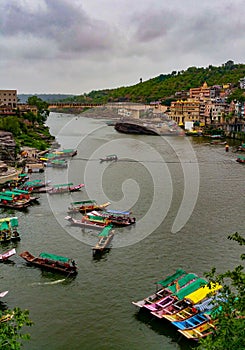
(165, 328)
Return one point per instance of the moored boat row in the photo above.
(187, 301)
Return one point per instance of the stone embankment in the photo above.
(7, 148)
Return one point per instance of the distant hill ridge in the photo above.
(161, 88)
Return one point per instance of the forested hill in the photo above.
(163, 87)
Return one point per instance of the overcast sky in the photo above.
(75, 46)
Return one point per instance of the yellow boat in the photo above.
(194, 298)
(198, 332)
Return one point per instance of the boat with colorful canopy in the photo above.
(105, 238)
(86, 206)
(51, 262)
(9, 229)
(160, 293)
(65, 188)
(97, 222)
(116, 217)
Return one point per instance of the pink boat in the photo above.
(160, 304)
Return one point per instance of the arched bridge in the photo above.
(57, 105)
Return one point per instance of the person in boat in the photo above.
(227, 147)
(73, 263)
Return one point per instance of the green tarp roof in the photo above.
(96, 218)
(190, 288)
(4, 226)
(58, 161)
(85, 202)
(171, 278)
(105, 232)
(183, 281)
(17, 191)
(6, 198)
(66, 150)
(62, 185)
(54, 257)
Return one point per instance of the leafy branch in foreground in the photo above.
(11, 323)
(229, 332)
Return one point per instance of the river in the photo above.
(187, 197)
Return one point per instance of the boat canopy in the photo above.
(105, 232)
(63, 185)
(96, 218)
(202, 292)
(12, 221)
(85, 202)
(171, 278)
(6, 198)
(4, 226)
(58, 161)
(182, 282)
(22, 175)
(118, 212)
(14, 193)
(182, 293)
(54, 257)
(17, 191)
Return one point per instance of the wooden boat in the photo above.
(59, 154)
(9, 229)
(65, 188)
(172, 290)
(17, 194)
(56, 163)
(240, 159)
(86, 206)
(105, 238)
(180, 294)
(191, 300)
(2, 294)
(5, 256)
(51, 262)
(116, 217)
(99, 224)
(109, 158)
(199, 332)
(168, 281)
(16, 202)
(34, 186)
(192, 321)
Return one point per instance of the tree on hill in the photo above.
(42, 107)
(229, 333)
(165, 86)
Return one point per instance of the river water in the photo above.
(187, 197)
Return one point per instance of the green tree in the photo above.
(11, 323)
(230, 330)
(42, 107)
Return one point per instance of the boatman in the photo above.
(226, 147)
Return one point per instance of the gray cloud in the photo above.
(94, 44)
(63, 23)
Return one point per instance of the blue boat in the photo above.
(191, 322)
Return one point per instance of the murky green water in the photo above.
(153, 175)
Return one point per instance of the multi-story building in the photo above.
(200, 92)
(8, 98)
(185, 111)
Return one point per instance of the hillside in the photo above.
(163, 87)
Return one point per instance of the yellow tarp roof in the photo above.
(202, 292)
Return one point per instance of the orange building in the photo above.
(200, 92)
